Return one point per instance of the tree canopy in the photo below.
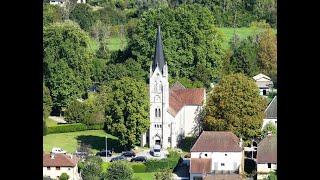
(119, 170)
(92, 169)
(269, 127)
(189, 39)
(47, 102)
(66, 62)
(235, 105)
(83, 15)
(128, 111)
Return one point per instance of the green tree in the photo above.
(98, 69)
(66, 62)
(51, 14)
(47, 102)
(119, 170)
(269, 127)
(75, 112)
(45, 128)
(64, 176)
(92, 168)
(82, 14)
(267, 53)
(189, 38)
(272, 175)
(244, 58)
(128, 111)
(235, 105)
(164, 175)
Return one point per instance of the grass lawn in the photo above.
(51, 122)
(69, 141)
(228, 33)
(113, 45)
(144, 176)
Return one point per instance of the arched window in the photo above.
(159, 112)
(156, 112)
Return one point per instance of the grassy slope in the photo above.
(228, 33)
(113, 45)
(51, 122)
(69, 141)
(144, 176)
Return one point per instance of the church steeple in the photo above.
(158, 54)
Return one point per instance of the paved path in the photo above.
(58, 119)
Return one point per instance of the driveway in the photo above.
(58, 119)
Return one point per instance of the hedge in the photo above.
(167, 163)
(63, 128)
(138, 167)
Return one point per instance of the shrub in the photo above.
(139, 167)
(95, 126)
(167, 163)
(119, 170)
(67, 128)
(64, 176)
(45, 128)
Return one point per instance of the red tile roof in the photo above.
(60, 160)
(177, 86)
(217, 141)
(223, 177)
(267, 150)
(180, 96)
(200, 165)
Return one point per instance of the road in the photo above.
(143, 153)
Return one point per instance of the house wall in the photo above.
(220, 157)
(55, 2)
(263, 167)
(191, 121)
(81, 1)
(53, 173)
(266, 121)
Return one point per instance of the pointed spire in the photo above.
(158, 54)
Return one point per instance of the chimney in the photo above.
(52, 156)
(240, 143)
(71, 156)
(269, 133)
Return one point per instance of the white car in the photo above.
(57, 150)
(156, 150)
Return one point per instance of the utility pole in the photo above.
(106, 148)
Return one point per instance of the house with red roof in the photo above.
(56, 164)
(216, 155)
(174, 110)
(267, 156)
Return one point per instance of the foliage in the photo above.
(270, 126)
(45, 128)
(235, 105)
(47, 102)
(98, 69)
(67, 128)
(92, 169)
(119, 170)
(170, 162)
(75, 111)
(66, 62)
(272, 176)
(186, 82)
(164, 175)
(128, 112)
(64, 176)
(267, 53)
(138, 167)
(110, 15)
(51, 14)
(83, 15)
(244, 58)
(189, 38)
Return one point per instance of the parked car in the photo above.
(104, 152)
(118, 158)
(129, 154)
(81, 153)
(57, 150)
(139, 159)
(156, 151)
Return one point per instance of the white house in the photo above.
(264, 83)
(271, 113)
(61, 2)
(267, 156)
(216, 155)
(56, 164)
(174, 111)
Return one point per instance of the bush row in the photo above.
(167, 163)
(63, 128)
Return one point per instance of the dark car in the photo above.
(139, 159)
(103, 153)
(129, 154)
(118, 158)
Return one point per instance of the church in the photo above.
(174, 110)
